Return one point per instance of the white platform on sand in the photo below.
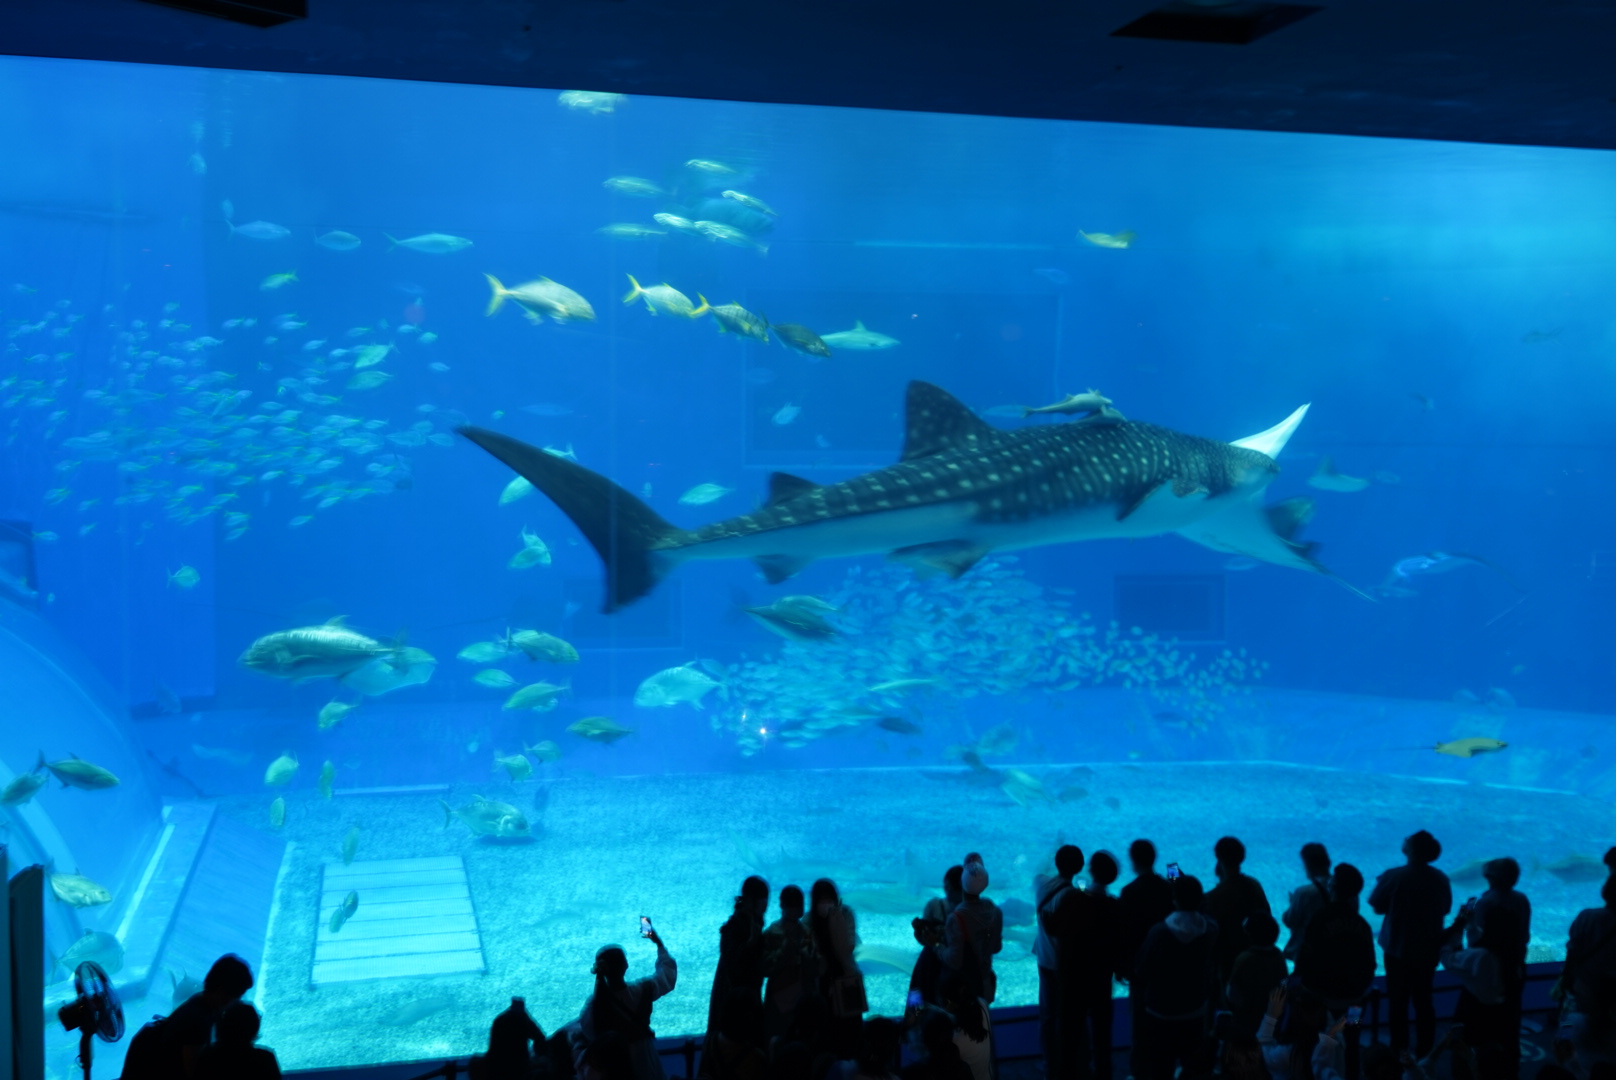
(415, 917)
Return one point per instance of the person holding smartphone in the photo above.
(612, 1035)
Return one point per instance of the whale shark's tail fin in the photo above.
(621, 528)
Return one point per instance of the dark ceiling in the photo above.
(1539, 73)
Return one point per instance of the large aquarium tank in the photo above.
(443, 524)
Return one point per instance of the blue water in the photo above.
(1443, 307)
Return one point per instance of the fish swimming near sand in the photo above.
(341, 915)
(961, 490)
(485, 817)
(1575, 869)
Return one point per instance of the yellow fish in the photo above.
(1119, 241)
(1469, 748)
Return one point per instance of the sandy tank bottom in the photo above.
(675, 848)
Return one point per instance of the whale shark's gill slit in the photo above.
(622, 529)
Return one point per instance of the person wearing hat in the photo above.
(974, 932)
(1415, 899)
(612, 1037)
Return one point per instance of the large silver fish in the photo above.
(961, 489)
(329, 651)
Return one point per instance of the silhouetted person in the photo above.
(730, 1053)
(973, 933)
(1306, 900)
(190, 1027)
(1480, 1007)
(1174, 977)
(1047, 892)
(878, 1050)
(740, 960)
(940, 908)
(1501, 923)
(1337, 963)
(1071, 919)
(1236, 897)
(1096, 1004)
(1414, 898)
(942, 1060)
(1258, 969)
(1289, 1036)
(790, 963)
(510, 1041)
(232, 1056)
(1146, 901)
(835, 932)
(613, 1036)
(1590, 976)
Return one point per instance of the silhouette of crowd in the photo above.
(1209, 989)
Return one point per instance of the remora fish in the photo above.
(961, 489)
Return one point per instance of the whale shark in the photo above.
(960, 489)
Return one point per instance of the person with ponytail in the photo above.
(612, 1037)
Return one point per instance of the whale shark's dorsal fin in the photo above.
(935, 420)
(783, 486)
(1272, 441)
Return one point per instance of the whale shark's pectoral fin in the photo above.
(952, 557)
(1246, 527)
(778, 568)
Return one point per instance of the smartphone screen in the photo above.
(645, 926)
(915, 1000)
(1353, 1014)
(1172, 871)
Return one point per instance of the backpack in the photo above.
(146, 1058)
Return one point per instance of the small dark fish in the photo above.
(1113, 802)
(898, 725)
(172, 768)
(1016, 912)
(804, 340)
(339, 917)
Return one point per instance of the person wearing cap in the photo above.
(975, 926)
(1415, 899)
(612, 1036)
